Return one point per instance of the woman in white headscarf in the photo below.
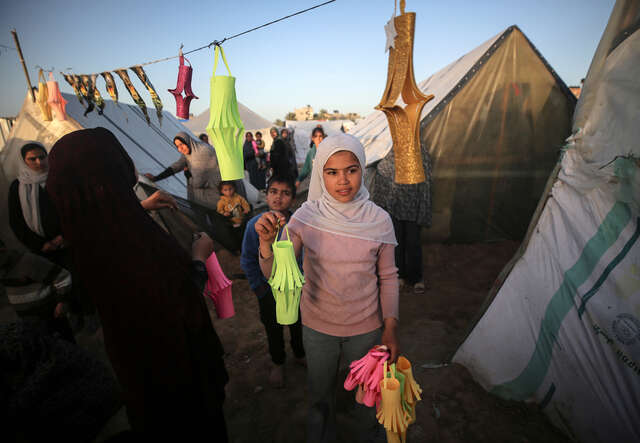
(350, 297)
(32, 216)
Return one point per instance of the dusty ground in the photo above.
(454, 407)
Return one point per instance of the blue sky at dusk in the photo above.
(332, 57)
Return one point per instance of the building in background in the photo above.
(305, 113)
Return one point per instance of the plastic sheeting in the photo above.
(494, 132)
(563, 329)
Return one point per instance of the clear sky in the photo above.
(332, 57)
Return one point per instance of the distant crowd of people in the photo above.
(76, 208)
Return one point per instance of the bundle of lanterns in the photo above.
(392, 389)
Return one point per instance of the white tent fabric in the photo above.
(563, 329)
(149, 146)
(373, 130)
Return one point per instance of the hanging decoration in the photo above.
(122, 73)
(84, 89)
(224, 122)
(218, 288)
(97, 97)
(225, 129)
(154, 95)
(404, 123)
(72, 80)
(286, 280)
(56, 101)
(43, 96)
(111, 86)
(183, 84)
(88, 90)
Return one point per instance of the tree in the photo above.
(290, 116)
(278, 122)
(335, 111)
(316, 116)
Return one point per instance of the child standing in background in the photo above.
(260, 155)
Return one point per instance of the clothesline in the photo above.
(218, 43)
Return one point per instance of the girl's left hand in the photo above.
(389, 337)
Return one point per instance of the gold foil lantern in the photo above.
(404, 123)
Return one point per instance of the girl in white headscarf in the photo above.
(350, 297)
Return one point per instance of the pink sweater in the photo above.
(350, 284)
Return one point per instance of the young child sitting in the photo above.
(350, 296)
(232, 205)
(281, 193)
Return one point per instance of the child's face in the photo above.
(342, 176)
(279, 196)
(258, 136)
(228, 190)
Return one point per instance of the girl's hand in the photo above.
(267, 226)
(389, 337)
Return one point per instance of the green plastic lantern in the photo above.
(286, 281)
(225, 129)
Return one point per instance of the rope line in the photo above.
(218, 43)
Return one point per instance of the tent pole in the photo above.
(26, 73)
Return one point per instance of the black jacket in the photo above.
(48, 217)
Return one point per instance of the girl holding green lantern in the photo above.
(350, 295)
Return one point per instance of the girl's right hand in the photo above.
(267, 226)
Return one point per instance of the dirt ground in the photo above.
(454, 407)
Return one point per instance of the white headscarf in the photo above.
(359, 218)
(29, 186)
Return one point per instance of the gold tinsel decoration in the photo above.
(404, 123)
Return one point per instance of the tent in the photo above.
(250, 120)
(561, 326)
(493, 131)
(149, 145)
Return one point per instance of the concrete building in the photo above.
(305, 113)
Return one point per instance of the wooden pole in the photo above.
(26, 73)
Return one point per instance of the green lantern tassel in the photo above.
(286, 281)
(225, 128)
